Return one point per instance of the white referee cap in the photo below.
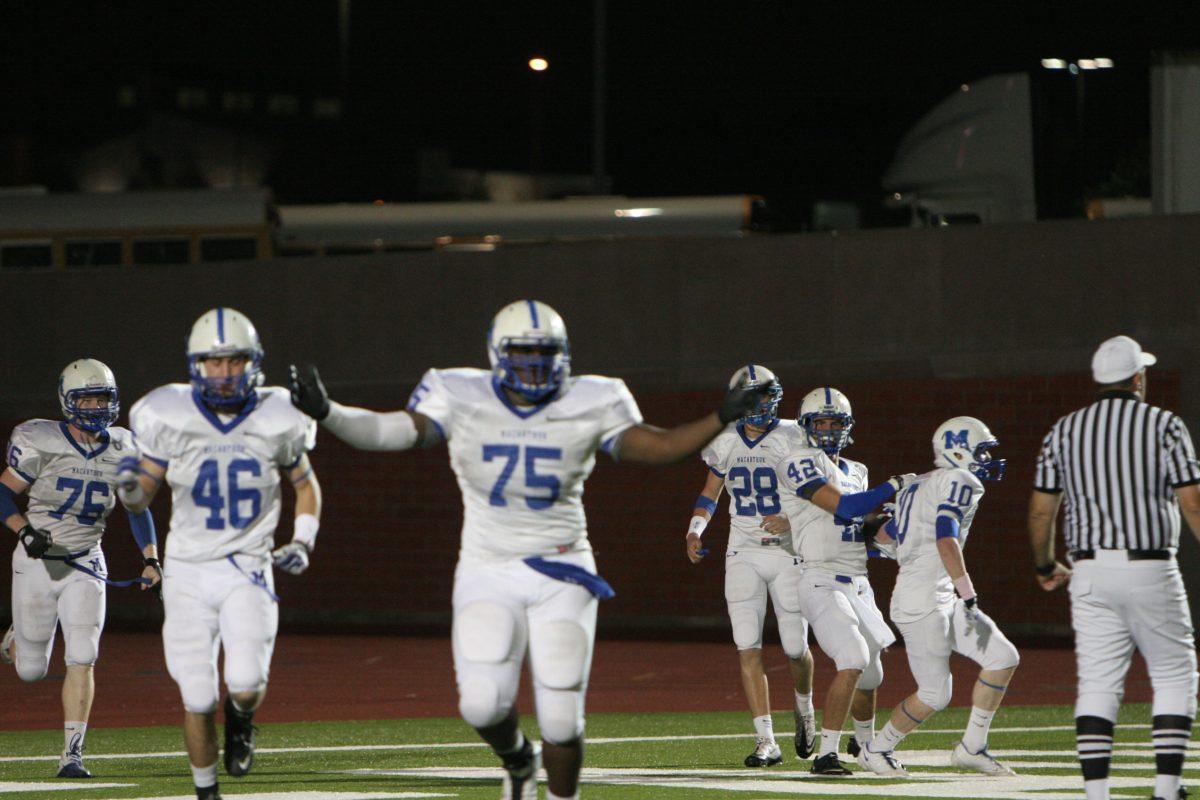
(1119, 358)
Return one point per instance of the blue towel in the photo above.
(570, 573)
(70, 561)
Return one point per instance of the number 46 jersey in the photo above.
(521, 468)
(223, 469)
(747, 465)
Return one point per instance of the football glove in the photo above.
(292, 558)
(36, 542)
(308, 393)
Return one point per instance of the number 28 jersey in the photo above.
(521, 469)
(223, 469)
(72, 487)
(747, 465)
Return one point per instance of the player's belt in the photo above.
(1132, 555)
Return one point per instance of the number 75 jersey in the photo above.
(223, 469)
(521, 468)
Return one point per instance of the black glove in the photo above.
(308, 393)
(36, 542)
(155, 588)
(739, 400)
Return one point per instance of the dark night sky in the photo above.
(788, 99)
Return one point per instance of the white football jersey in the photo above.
(223, 469)
(72, 487)
(923, 583)
(822, 540)
(521, 469)
(747, 465)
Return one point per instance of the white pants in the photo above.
(210, 604)
(500, 611)
(845, 620)
(752, 575)
(930, 640)
(48, 593)
(1117, 605)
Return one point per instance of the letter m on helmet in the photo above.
(957, 440)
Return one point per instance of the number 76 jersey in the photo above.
(223, 469)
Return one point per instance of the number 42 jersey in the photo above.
(223, 468)
(521, 468)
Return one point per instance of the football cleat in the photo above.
(71, 765)
(979, 762)
(853, 748)
(828, 764)
(521, 773)
(806, 734)
(239, 740)
(1182, 795)
(881, 763)
(208, 793)
(6, 654)
(766, 754)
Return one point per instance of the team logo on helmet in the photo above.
(964, 442)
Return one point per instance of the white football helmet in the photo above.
(529, 350)
(224, 332)
(767, 410)
(826, 403)
(963, 442)
(88, 377)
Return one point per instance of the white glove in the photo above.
(900, 481)
(292, 558)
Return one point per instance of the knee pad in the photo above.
(872, 676)
(1098, 704)
(937, 696)
(31, 669)
(852, 653)
(484, 632)
(793, 635)
(1000, 654)
(560, 715)
(81, 645)
(479, 702)
(198, 689)
(559, 653)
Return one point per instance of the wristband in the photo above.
(1046, 570)
(697, 525)
(152, 562)
(304, 531)
(962, 584)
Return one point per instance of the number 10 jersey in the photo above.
(223, 469)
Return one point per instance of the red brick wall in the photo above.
(390, 531)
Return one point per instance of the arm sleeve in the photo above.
(1047, 478)
(432, 399)
(371, 430)
(1182, 467)
(620, 414)
(22, 456)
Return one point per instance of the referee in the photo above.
(1125, 469)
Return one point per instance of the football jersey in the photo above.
(747, 467)
(923, 583)
(521, 468)
(822, 540)
(72, 486)
(223, 469)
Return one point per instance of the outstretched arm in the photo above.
(646, 444)
(359, 427)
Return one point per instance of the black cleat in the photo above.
(73, 767)
(208, 793)
(239, 740)
(828, 764)
(521, 772)
(853, 748)
(1183, 793)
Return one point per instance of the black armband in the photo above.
(1046, 570)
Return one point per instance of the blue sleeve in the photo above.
(859, 504)
(947, 527)
(8, 503)
(708, 505)
(143, 528)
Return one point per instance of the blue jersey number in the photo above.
(207, 493)
(511, 453)
(91, 511)
(852, 531)
(904, 505)
(960, 496)
(761, 485)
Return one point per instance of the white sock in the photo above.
(803, 703)
(73, 733)
(204, 777)
(976, 736)
(1096, 790)
(864, 730)
(830, 741)
(764, 727)
(887, 739)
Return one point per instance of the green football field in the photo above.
(630, 756)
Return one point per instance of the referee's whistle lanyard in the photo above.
(70, 561)
(256, 576)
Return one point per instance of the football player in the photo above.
(933, 519)
(523, 437)
(221, 442)
(831, 586)
(736, 462)
(69, 469)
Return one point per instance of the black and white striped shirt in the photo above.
(1118, 461)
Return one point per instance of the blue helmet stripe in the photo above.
(533, 312)
(828, 397)
(221, 325)
(750, 367)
